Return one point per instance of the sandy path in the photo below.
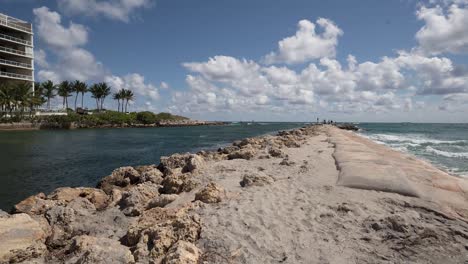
(304, 217)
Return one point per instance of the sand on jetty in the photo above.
(310, 195)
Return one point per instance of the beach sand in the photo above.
(307, 215)
(313, 195)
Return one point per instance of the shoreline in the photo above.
(29, 126)
(290, 198)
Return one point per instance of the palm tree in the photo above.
(118, 96)
(99, 92)
(23, 97)
(94, 90)
(6, 97)
(48, 89)
(104, 91)
(129, 96)
(79, 87)
(65, 90)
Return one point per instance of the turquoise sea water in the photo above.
(444, 145)
(40, 161)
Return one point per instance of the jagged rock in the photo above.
(178, 183)
(121, 177)
(21, 238)
(65, 195)
(88, 249)
(80, 217)
(194, 162)
(162, 200)
(228, 149)
(173, 162)
(150, 174)
(135, 199)
(115, 197)
(34, 205)
(286, 162)
(212, 193)
(276, 152)
(255, 180)
(158, 229)
(182, 252)
(246, 153)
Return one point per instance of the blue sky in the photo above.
(162, 50)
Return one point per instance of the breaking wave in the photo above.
(446, 153)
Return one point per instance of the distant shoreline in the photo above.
(29, 126)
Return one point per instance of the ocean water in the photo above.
(40, 161)
(444, 145)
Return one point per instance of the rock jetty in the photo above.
(288, 198)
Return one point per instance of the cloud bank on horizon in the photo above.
(302, 75)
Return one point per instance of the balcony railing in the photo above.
(15, 75)
(14, 63)
(22, 41)
(14, 23)
(14, 51)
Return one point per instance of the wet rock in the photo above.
(182, 252)
(246, 153)
(276, 152)
(162, 200)
(149, 174)
(21, 238)
(135, 199)
(174, 162)
(255, 180)
(88, 249)
(177, 183)
(119, 178)
(212, 193)
(158, 229)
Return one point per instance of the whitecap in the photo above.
(413, 139)
(446, 153)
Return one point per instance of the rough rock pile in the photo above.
(133, 215)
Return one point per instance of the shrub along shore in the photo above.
(107, 119)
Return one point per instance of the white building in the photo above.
(16, 50)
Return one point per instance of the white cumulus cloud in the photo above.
(307, 44)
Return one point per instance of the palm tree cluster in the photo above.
(125, 96)
(20, 97)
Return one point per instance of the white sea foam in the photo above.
(411, 139)
(446, 153)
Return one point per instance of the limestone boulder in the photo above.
(135, 199)
(245, 153)
(162, 200)
(256, 179)
(150, 174)
(158, 229)
(177, 183)
(87, 249)
(182, 252)
(34, 205)
(80, 217)
(21, 238)
(194, 163)
(276, 152)
(212, 193)
(119, 178)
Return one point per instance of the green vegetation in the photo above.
(18, 101)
